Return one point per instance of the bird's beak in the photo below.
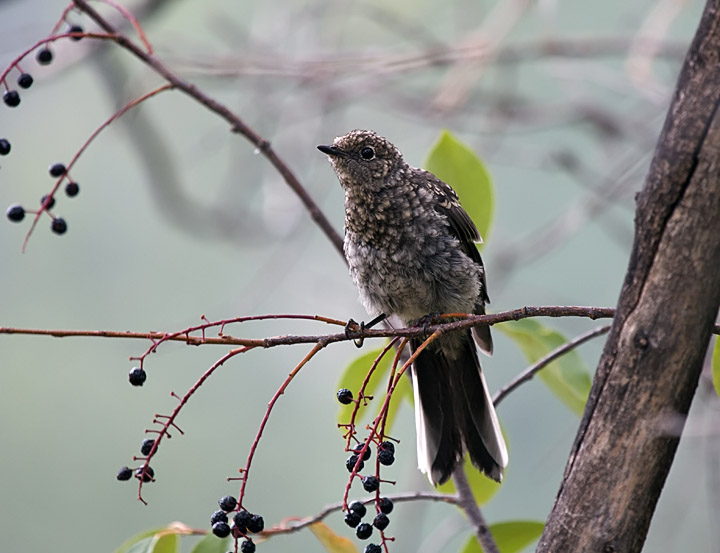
(330, 150)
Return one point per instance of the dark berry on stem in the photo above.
(4, 147)
(25, 80)
(147, 475)
(137, 376)
(385, 457)
(366, 455)
(256, 524)
(372, 548)
(364, 531)
(351, 461)
(381, 521)
(75, 29)
(221, 529)
(227, 503)
(247, 547)
(11, 98)
(58, 226)
(124, 474)
(50, 204)
(388, 446)
(344, 396)
(370, 483)
(56, 169)
(358, 508)
(15, 213)
(241, 520)
(352, 519)
(44, 56)
(147, 446)
(385, 505)
(218, 516)
(72, 189)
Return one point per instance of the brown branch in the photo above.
(536, 367)
(652, 359)
(467, 502)
(237, 124)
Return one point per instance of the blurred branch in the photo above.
(467, 502)
(237, 124)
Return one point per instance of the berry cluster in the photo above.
(355, 463)
(363, 530)
(11, 98)
(144, 473)
(243, 522)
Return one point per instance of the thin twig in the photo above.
(466, 502)
(533, 369)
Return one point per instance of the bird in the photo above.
(411, 250)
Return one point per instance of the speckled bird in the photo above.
(412, 253)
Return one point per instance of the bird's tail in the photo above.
(454, 413)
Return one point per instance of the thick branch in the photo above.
(653, 357)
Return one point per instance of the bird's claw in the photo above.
(353, 327)
(427, 320)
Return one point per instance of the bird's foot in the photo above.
(427, 320)
(352, 327)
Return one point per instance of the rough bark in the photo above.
(651, 363)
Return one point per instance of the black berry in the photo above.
(75, 29)
(137, 376)
(372, 548)
(44, 56)
(50, 204)
(11, 98)
(351, 461)
(72, 189)
(15, 213)
(4, 147)
(58, 225)
(247, 547)
(364, 531)
(56, 169)
(256, 524)
(370, 483)
(218, 516)
(344, 396)
(227, 503)
(385, 505)
(146, 475)
(358, 508)
(381, 521)
(352, 519)
(388, 446)
(221, 529)
(25, 80)
(241, 520)
(358, 449)
(147, 446)
(124, 474)
(385, 457)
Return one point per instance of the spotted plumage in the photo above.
(411, 251)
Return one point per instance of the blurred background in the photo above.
(178, 217)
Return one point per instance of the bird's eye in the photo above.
(367, 153)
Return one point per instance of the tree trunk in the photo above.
(649, 370)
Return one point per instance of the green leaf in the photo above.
(510, 537)
(145, 537)
(166, 543)
(455, 163)
(483, 488)
(567, 377)
(403, 392)
(331, 541)
(716, 366)
(354, 374)
(211, 544)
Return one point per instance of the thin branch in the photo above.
(291, 525)
(533, 369)
(237, 124)
(466, 502)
